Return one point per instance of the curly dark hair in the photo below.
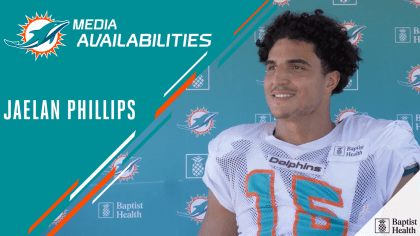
(330, 39)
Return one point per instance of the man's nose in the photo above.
(281, 76)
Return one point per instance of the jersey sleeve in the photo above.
(404, 153)
(215, 179)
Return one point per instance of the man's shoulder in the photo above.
(361, 122)
(378, 130)
(244, 131)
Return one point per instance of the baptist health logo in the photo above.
(202, 82)
(200, 121)
(345, 2)
(194, 165)
(130, 210)
(339, 150)
(106, 210)
(412, 119)
(40, 35)
(407, 35)
(381, 225)
(196, 209)
(264, 118)
(259, 34)
(353, 84)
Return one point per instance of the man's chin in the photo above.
(281, 116)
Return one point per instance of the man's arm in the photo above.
(218, 220)
(401, 184)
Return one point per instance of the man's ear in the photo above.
(332, 80)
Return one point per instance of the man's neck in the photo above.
(305, 129)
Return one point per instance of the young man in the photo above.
(305, 175)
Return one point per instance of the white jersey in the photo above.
(330, 186)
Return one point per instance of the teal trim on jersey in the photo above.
(411, 170)
(305, 189)
(260, 184)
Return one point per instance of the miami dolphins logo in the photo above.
(354, 32)
(413, 79)
(415, 2)
(199, 121)
(281, 2)
(197, 208)
(346, 113)
(40, 35)
(59, 218)
(130, 172)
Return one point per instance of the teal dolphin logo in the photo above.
(40, 35)
(199, 121)
(197, 209)
(353, 31)
(119, 168)
(413, 79)
(415, 2)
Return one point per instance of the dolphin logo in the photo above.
(415, 83)
(353, 32)
(40, 36)
(200, 121)
(199, 210)
(413, 2)
(130, 168)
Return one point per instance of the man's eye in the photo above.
(298, 68)
(271, 68)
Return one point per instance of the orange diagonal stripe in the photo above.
(82, 203)
(175, 95)
(251, 17)
(53, 206)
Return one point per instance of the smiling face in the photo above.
(294, 83)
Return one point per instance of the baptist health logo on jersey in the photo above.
(199, 121)
(413, 79)
(40, 35)
(196, 209)
(194, 165)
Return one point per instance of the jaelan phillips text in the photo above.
(76, 109)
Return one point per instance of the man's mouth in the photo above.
(283, 95)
